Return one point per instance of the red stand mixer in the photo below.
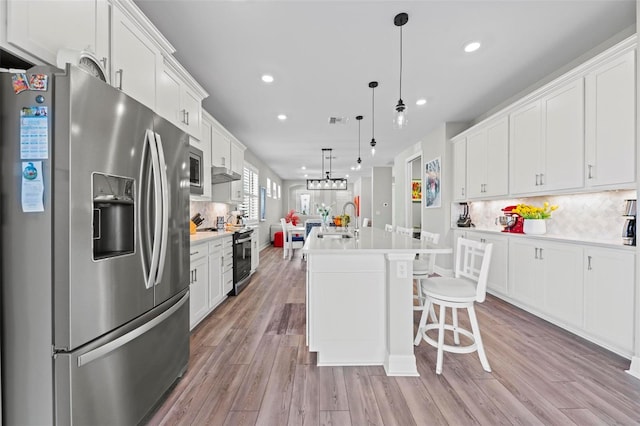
(511, 221)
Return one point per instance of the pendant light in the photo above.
(359, 118)
(400, 115)
(326, 181)
(373, 85)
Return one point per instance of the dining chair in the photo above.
(388, 228)
(467, 287)
(404, 231)
(290, 240)
(423, 266)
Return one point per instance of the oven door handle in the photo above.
(243, 240)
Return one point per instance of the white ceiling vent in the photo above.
(338, 120)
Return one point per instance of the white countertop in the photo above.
(370, 240)
(204, 236)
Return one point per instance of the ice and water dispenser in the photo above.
(113, 216)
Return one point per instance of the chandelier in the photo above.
(326, 182)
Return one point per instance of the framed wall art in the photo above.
(416, 190)
(433, 180)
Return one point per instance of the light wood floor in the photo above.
(249, 365)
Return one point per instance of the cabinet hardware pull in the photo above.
(590, 176)
(537, 253)
(184, 116)
(195, 252)
(120, 72)
(462, 191)
(541, 258)
(104, 62)
(541, 178)
(187, 123)
(537, 177)
(589, 263)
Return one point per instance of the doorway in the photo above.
(414, 193)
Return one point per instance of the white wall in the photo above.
(381, 196)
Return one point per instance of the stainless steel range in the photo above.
(241, 260)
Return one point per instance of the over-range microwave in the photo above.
(196, 170)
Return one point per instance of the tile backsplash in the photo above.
(209, 211)
(589, 217)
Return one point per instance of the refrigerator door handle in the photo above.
(165, 209)
(157, 195)
(103, 350)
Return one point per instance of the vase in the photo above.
(535, 226)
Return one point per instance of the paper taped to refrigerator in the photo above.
(32, 187)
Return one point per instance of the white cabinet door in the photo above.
(168, 89)
(220, 148)
(41, 28)
(255, 250)
(198, 288)
(497, 278)
(525, 272)
(609, 297)
(204, 144)
(459, 169)
(134, 60)
(610, 122)
(488, 160)
(563, 148)
(497, 159)
(562, 282)
(191, 106)
(476, 163)
(215, 274)
(525, 140)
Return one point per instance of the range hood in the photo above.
(223, 174)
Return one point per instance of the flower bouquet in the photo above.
(527, 211)
(292, 218)
(324, 211)
(534, 217)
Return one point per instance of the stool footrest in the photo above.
(449, 348)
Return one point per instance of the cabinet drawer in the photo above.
(215, 246)
(198, 251)
(227, 262)
(227, 280)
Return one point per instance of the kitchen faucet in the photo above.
(356, 230)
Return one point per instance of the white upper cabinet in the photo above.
(610, 122)
(220, 148)
(176, 101)
(135, 59)
(547, 142)
(204, 144)
(459, 169)
(525, 140)
(488, 160)
(563, 138)
(42, 28)
(227, 151)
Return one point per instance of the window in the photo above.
(268, 187)
(250, 191)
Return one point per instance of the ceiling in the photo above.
(323, 54)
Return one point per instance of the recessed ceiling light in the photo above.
(472, 46)
(306, 175)
(282, 117)
(346, 176)
(304, 168)
(267, 78)
(421, 102)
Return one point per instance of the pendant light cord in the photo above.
(373, 103)
(401, 63)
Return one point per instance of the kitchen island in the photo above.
(360, 297)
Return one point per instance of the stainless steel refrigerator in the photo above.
(95, 238)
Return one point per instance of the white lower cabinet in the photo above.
(497, 279)
(198, 284)
(609, 297)
(227, 265)
(547, 277)
(255, 250)
(207, 277)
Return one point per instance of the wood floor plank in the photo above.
(335, 418)
(304, 410)
(420, 403)
(391, 403)
(277, 395)
(241, 418)
(250, 394)
(249, 364)
(333, 390)
(362, 401)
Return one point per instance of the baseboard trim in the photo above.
(634, 368)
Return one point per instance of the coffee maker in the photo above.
(629, 228)
(511, 221)
(464, 220)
